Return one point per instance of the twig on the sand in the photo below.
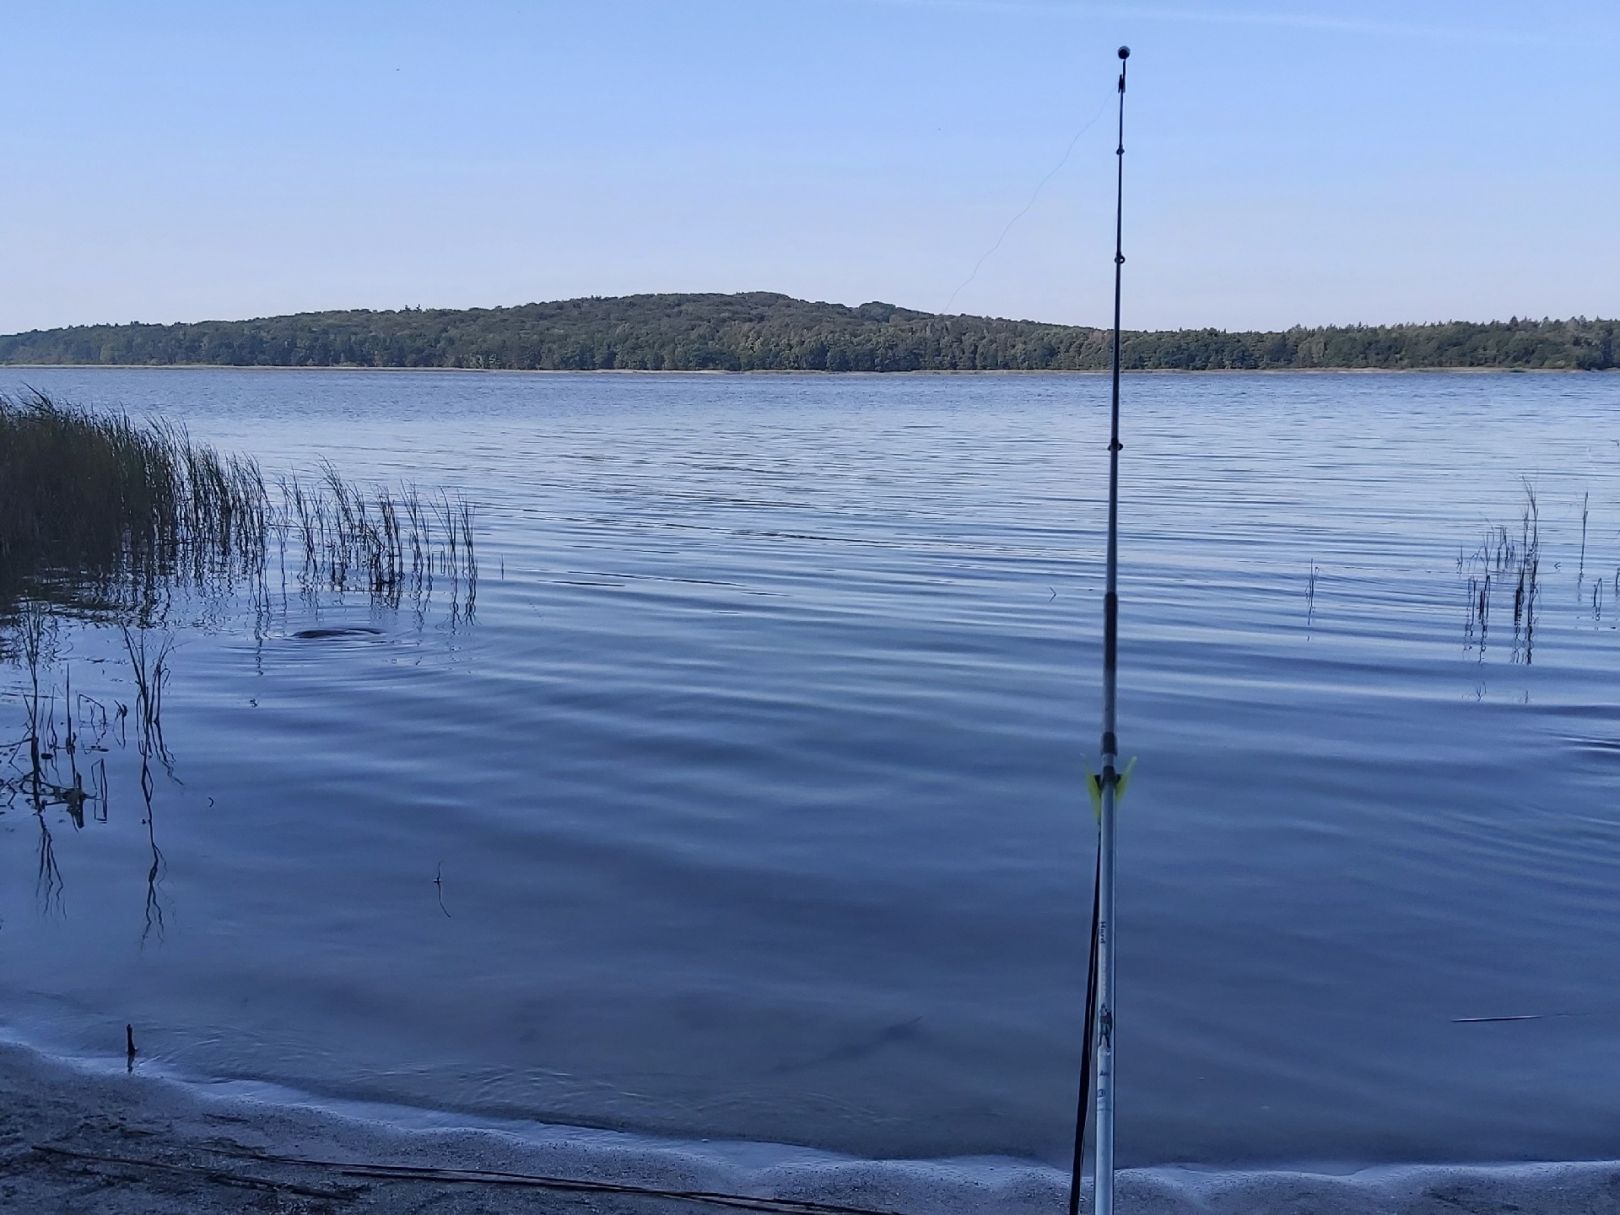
(206, 1172)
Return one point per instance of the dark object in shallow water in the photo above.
(351, 630)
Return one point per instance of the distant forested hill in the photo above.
(760, 331)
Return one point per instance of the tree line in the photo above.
(761, 331)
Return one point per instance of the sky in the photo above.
(1305, 163)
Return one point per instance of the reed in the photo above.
(387, 543)
(97, 499)
(1586, 501)
(94, 504)
(44, 770)
(1509, 561)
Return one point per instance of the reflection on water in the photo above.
(752, 805)
(56, 767)
(125, 526)
(66, 737)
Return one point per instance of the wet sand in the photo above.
(79, 1141)
(125, 1145)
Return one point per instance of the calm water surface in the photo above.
(755, 782)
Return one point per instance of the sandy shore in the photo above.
(82, 1141)
(126, 1145)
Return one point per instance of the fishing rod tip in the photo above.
(1124, 52)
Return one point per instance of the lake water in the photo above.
(754, 783)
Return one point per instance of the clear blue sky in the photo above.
(1303, 162)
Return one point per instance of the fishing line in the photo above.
(443, 1175)
(1082, 1113)
(1028, 206)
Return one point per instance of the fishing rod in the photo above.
(1105, 789)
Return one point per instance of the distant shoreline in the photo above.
(763, 331)
(766, 372)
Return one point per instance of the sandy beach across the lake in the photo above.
(83, 1141)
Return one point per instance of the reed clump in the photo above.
(102, 500)
(385, 543)
(1503, 561)
(94, 503)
